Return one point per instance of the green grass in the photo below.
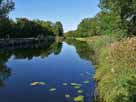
(116, 70)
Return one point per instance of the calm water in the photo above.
(60, 63)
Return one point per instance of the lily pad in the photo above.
(86, 81)
(80, 91)
(79, 98)
(67, 96)
(52, 89)
(75, 84)
(65, 84)
(38, 83)
(77, 87)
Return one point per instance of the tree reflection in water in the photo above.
(42, 49)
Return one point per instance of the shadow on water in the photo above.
(59, 65)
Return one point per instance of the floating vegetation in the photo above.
(75, 84)
(79, 98)
(77, 87)
(52, 89)
(86, 81)
(65, 84)
(67, 96)
(80, 91)
(38, 83)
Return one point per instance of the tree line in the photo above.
(116, 17)
(23, 27)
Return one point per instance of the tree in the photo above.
(58, 29)
(5, 7)
(5, 27)
(109, 23)
(124, 9)
(5, 24)
(23, 27)
(70, 34)
(87, 27)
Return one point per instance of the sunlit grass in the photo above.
(116, 71)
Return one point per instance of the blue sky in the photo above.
(69, 12)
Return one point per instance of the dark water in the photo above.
(56, 64)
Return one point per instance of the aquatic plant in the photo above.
(75, 84)
(67, 96)
(52, 89)
(77, 87)
(65, 84)
(79, 98)
(86, 81)
(80, 91)
(38, 83)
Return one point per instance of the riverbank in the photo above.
(115, 67)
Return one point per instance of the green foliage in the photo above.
(58, 29)
(5, 7)
(116, 17)
(109, 24)
(116, 72)
(124, 8)
(25, 28)
(104, 23)
(5, 24)
(70, 34)
(45, 24)
(88, 27)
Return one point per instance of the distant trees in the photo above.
(25, 28)
(29, 28)
(58, 29)
(45, 24)
(109, 24)
(70, 34)
(87, 27)
(116, 17)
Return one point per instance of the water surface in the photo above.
(58, 64)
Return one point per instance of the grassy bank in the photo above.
(115, 62)
(116, 71)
